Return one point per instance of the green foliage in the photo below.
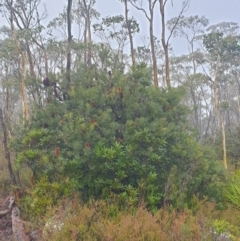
(36, 151)
(212, 41)
(232, 191)
(218, 45)
(116, 136)
(233, 142)
(224, 227)
(44, 196)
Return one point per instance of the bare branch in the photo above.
(141, 9)
(185, 6)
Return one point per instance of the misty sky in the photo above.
(215, 10)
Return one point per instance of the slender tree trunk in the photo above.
(23, 66)
(69, 29)
(88, 35)
(164, 43)
(219, 114)
(31, 65)
(32, 72)
(7, 100)
(129, 33)
(167, 67)
(151, 6)
(89, 40)
(85, 42)
(195, 108)
(154, 60)
(23, 75)
(6, 150)
(45, 60)
(193, 60)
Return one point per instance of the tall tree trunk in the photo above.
(23, 65)
(32, 71)
(6, 150)
(195, 109)
(45, 60)
(69, 29)
(219, 114)
(151, 6)
(88, 35)
(129, 33)
(89, 40)
(165, 43)
(23, 75)
(154, 60)
(31, 65)
(85, 42)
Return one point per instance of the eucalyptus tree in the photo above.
(143, 54)
(129, 28)
(25, 15)
(89, 13)
(165, 40)
(220, 49)
(114, 31)
(11, 12)
(69, 39)
(192, 29)
(6, 149)
(229, 81)
(25, 21)
(149, 14)
(9, 94)
(9, 69)
(56, 46)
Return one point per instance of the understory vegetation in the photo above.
(110, 144)
(125, 148)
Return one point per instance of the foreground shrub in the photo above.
(96, 221)
(44, 196)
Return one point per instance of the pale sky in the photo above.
(215, 10)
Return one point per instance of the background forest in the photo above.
(116, 140)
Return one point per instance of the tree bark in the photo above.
(164, 43)
(88, 34)
(129, 33)
(154, 60)
(150, 19)
(6, 150)
(222, 126)
(69, 28)
(23, 65)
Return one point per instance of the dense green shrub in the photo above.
(119, 136)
